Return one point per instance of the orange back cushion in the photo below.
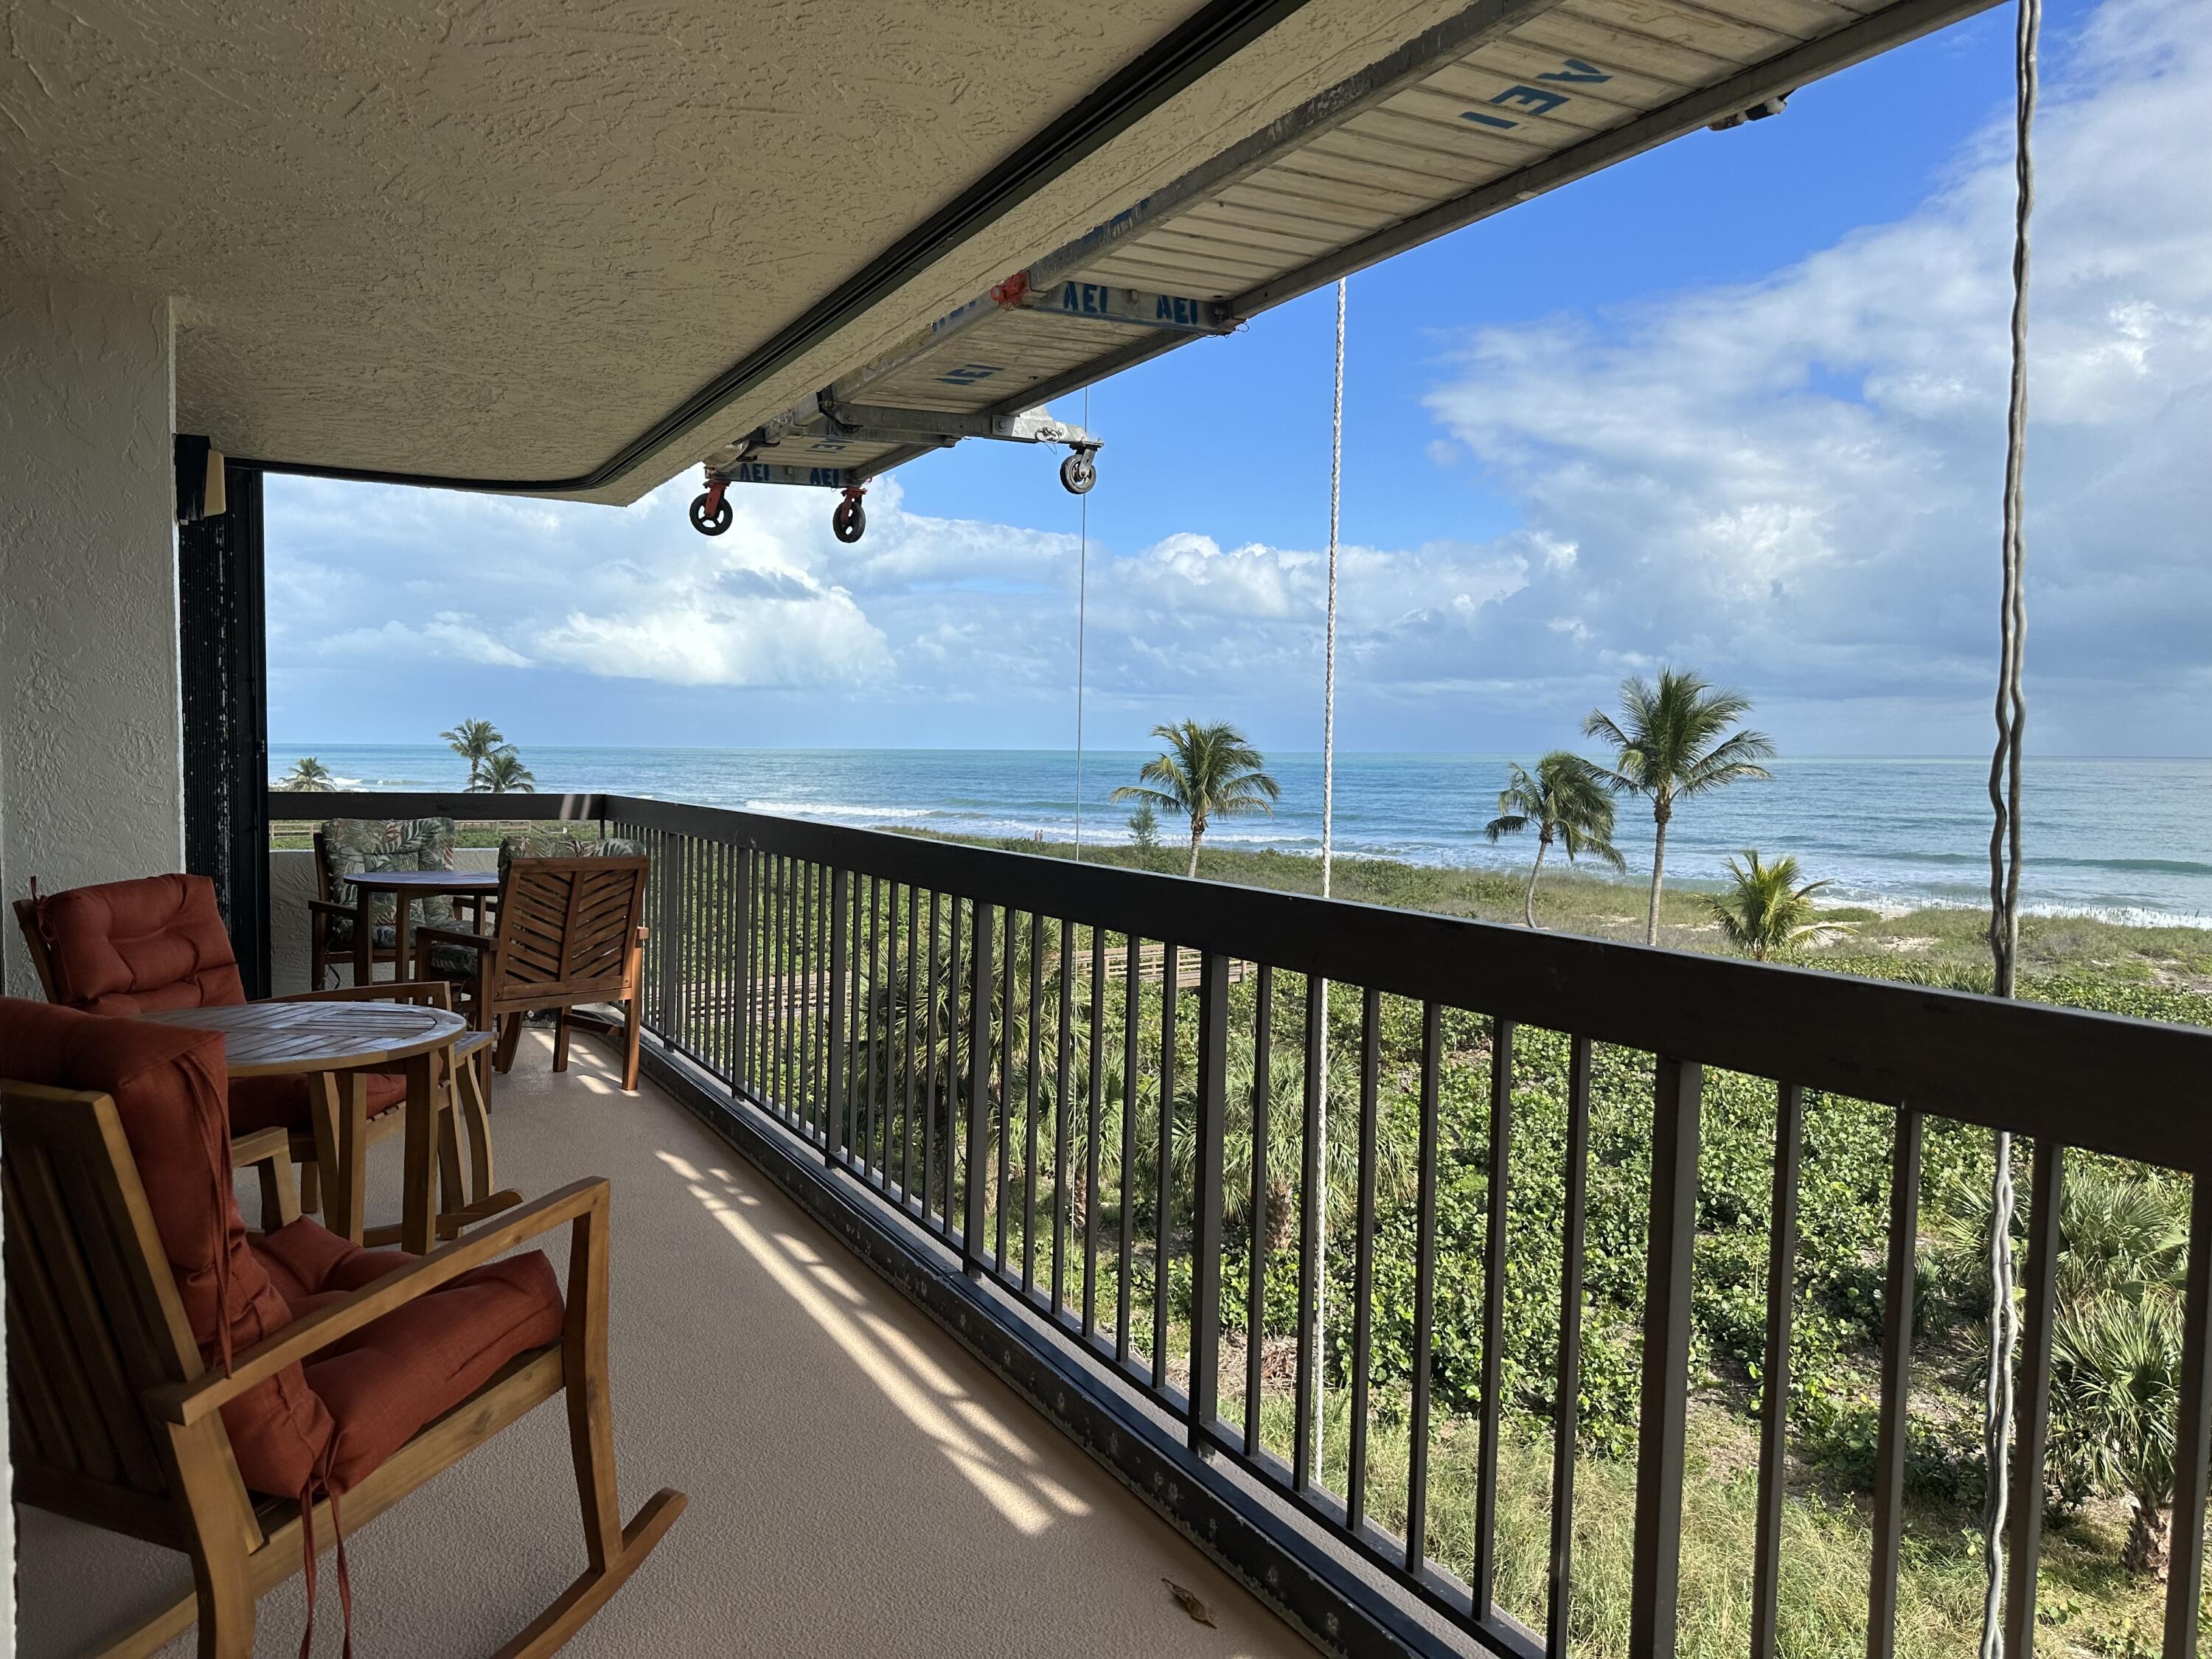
(133, 947)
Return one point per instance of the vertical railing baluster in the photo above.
(763, 907)
(741, 903)
(1255, 1289)
(979, 1071)
(1495, 1243)
(1208, 1130)
(825, 1056)
(1363, 1260)
(1425, 1292)
(1896, 1379)
(1132, 1007)
(929, 1065)
(780, 922)
(2039, 1284)
(908, 1030)
(793, 918)
(1005, 1116)
(667, 867)
(1030, 1092)
(833, 1097)
(1061, 1194)
(1095, 1079)
(678, 1031)
(772, 949)
(872, 1027)
(780, 1051)
(1774, 1378)
(1567, 1411)
(879, 1027)
(1663, 1422)
(2192, 1441)
(853, 989)
(690, 985)
(1163, 1165)
(802, 1021)
(952, 984)
(716, 1024)
(1313, 1202)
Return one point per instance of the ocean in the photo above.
(2126, 840)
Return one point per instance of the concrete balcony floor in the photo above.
(858, 1484)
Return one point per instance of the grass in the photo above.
(1947, 939)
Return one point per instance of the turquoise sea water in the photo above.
(2130, 840)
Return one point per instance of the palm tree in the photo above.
(1668, 745)
(475, 742)
(1766, 909)
(1567, 802)
(504, 773)
(2115, 1381)
(1208, 772)
(309, 775)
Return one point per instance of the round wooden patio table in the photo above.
(339, 1043)
(406, 888)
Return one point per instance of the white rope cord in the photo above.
(1329, 648)
(1327, 848)
(2005, 839)
(1082, 606)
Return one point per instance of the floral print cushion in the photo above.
(337, 934)
(556, 844)
(354, 846)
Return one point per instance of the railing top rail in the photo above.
(2131, 1088)
(294, 805)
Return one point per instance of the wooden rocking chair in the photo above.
(566, 936)
(118, 1419)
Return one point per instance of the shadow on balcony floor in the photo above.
(858, 1484)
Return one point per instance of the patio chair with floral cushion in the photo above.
(338, 915)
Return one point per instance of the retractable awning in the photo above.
(1502, 102)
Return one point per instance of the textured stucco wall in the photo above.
(91, 770)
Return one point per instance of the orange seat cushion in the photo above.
(283, 1103)
(385, 1381)
(137, 947)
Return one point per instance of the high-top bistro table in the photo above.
(336, 1045)
(406, 888)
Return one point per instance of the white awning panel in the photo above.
(1505, 101)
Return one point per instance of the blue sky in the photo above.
(1736, 404)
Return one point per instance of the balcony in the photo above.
(859, 1483)
(860, 1046)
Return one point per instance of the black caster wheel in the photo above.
(849, 522)
(706, 523)
(1078, 473)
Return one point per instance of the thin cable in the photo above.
(1328, 647)
(1327, 823)
(2005, 845)
(1082, 607)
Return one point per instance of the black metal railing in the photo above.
(1124, 1099)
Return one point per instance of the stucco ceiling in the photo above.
(503, 240)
